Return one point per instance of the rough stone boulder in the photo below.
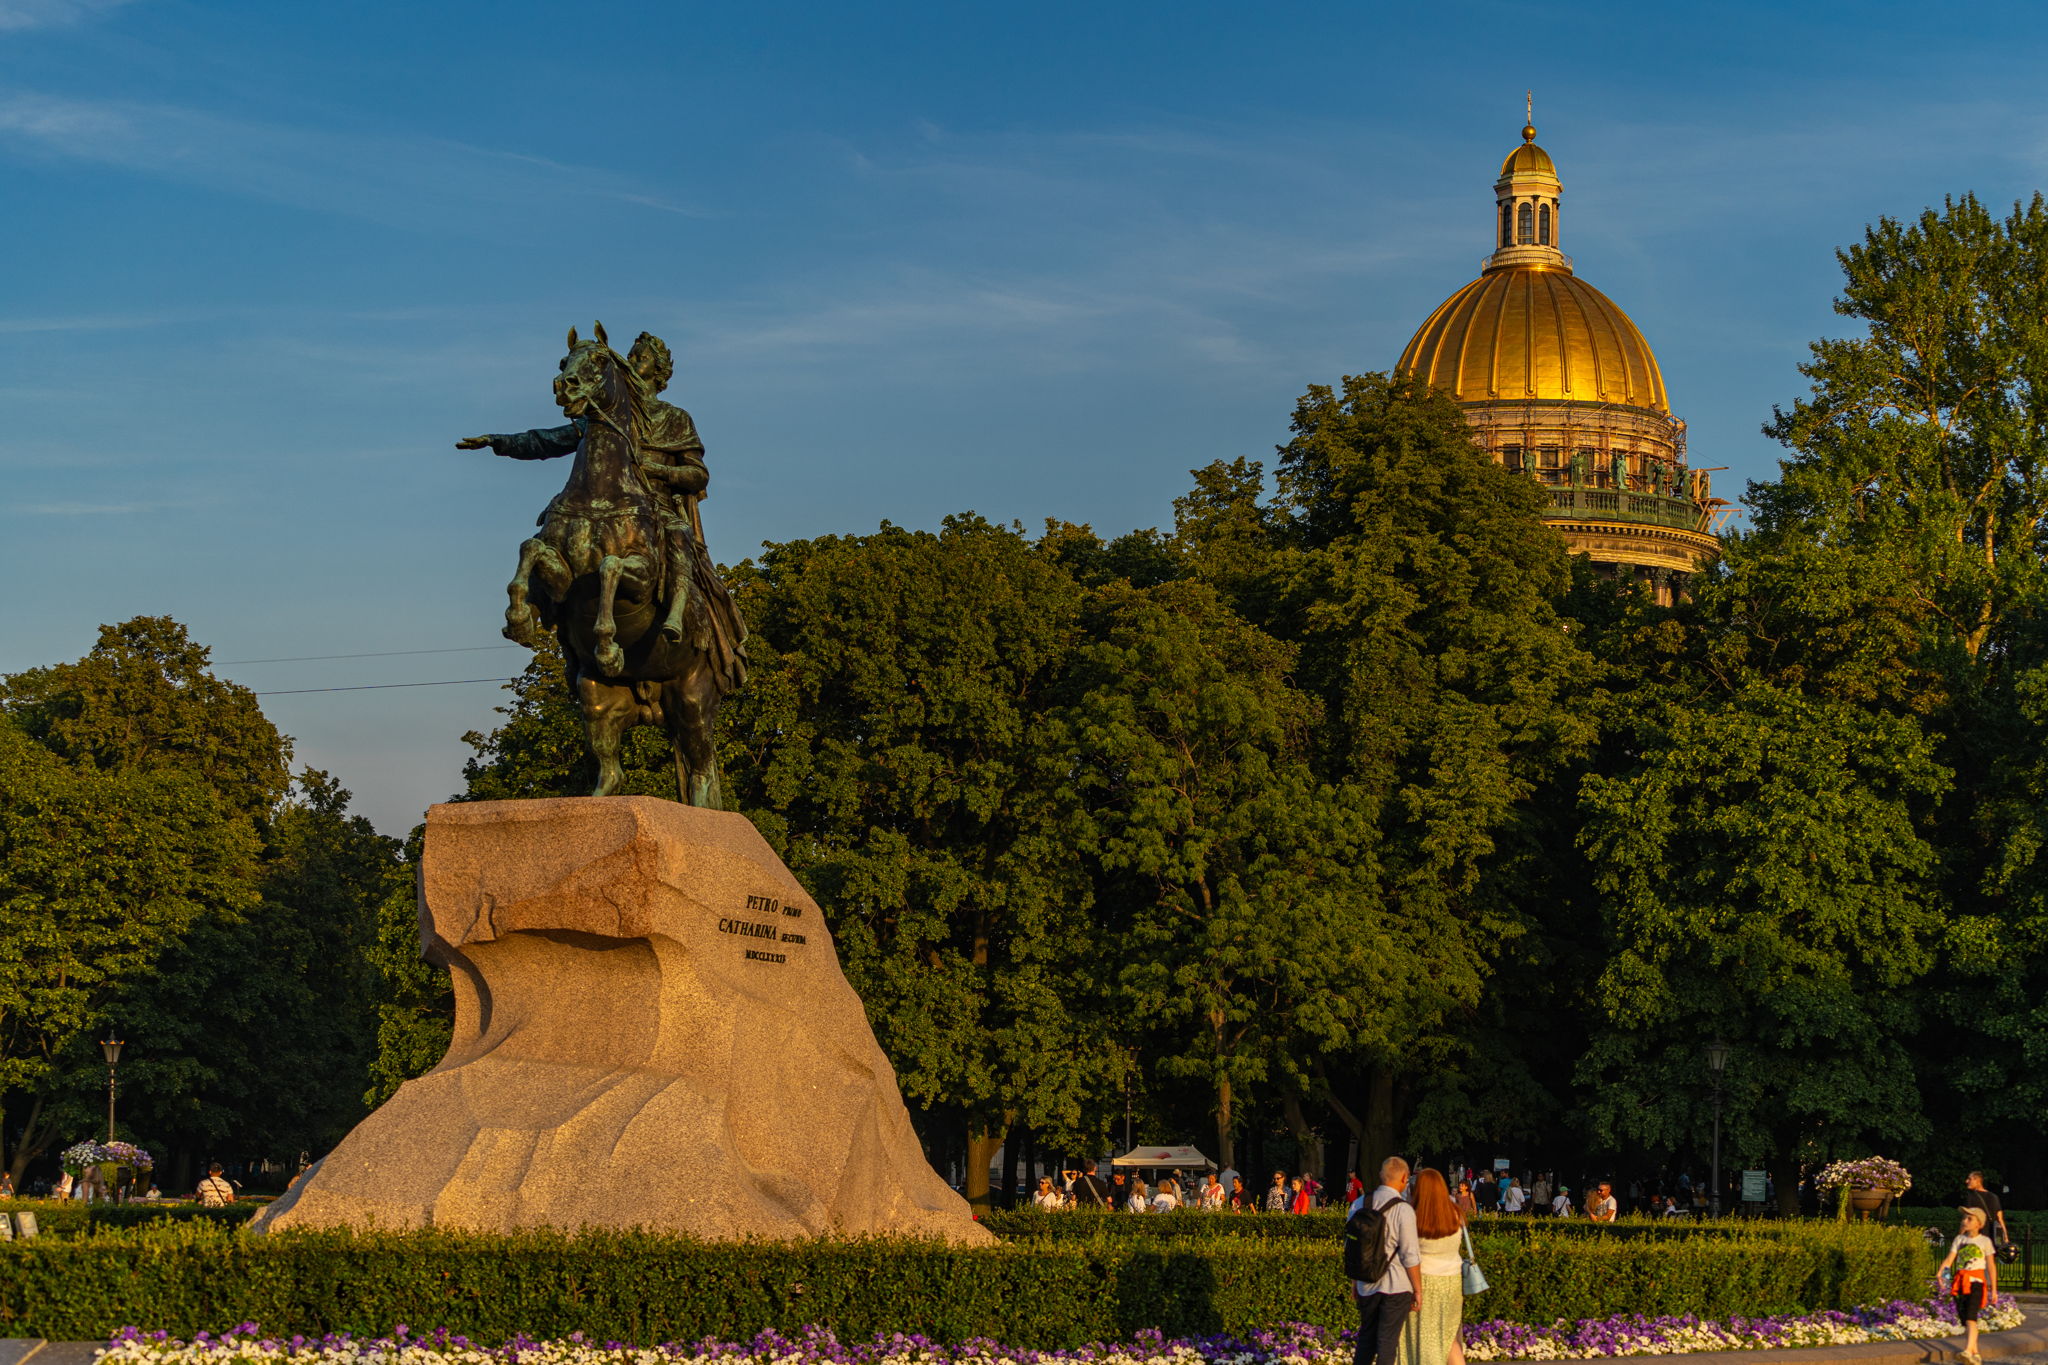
(651, 1029)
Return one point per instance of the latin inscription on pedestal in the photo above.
(767, 931)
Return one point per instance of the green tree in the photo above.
(892, 743)
(1422, 590)
(255, 1033)
(1242, 889)
(1766, 880)
(1922, 454)
(1760, 833)
(251, 1023)
(415, 1002)
(101, 873)
(143, 699)
(1926, 438)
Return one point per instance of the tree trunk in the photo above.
(1226, 1141)
(1376, 1142)
(1785, 1171)
(31, 1146)
(981, 1153)
(1354, 1154)
(1006, 1198)
(1308, 1147)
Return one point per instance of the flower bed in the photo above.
(1631, 1335)
(1290, 1344)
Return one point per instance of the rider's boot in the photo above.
(678, 584)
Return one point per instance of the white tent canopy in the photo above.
(1179, 1158)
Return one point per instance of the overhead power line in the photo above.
(376, 654)
(378, 687)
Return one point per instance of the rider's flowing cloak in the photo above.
(671, 437)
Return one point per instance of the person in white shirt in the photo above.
(1561, 1207)
(1384, 1305)
(1141, 1197)
(1975, 1282)
(1047, 1197)
(1603, 1209)
(1212, 1193)
(1516, 1196)
(1168, 1198)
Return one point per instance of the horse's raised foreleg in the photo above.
(536, 556)
(604, 631)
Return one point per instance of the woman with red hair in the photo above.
(1430, 1336)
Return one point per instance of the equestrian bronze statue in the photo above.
(619, 573)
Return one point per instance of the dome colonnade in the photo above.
(1560, 385)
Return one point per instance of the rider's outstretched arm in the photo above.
(545, 443)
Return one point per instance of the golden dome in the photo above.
(1524, 332)
(1527, 160)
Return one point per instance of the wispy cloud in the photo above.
(100, 322)
(1062, 252)
(16, 15)
(407, 182)
(101, 509)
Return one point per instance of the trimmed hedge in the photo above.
(1326, 1226)
(644, 1288)
(71, 1218)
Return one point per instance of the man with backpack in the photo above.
(1382, 1259)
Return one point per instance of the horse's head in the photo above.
(595, 382)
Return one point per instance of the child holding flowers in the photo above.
(1976, 1277)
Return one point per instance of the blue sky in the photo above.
(265, 262)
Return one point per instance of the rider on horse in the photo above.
(671, 459)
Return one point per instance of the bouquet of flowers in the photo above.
(1866, 1173)
(78, 1156)
(126, 1154)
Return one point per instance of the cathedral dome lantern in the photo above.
(1528, 209)
(1559, 384)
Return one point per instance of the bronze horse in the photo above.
(594, 576)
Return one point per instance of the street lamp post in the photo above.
(1717, 1059)
(110, 1048)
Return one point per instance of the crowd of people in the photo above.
(1154, 1190)
(1224, 1191)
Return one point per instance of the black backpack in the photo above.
(1366, 1253)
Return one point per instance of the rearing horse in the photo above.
(594, 576)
